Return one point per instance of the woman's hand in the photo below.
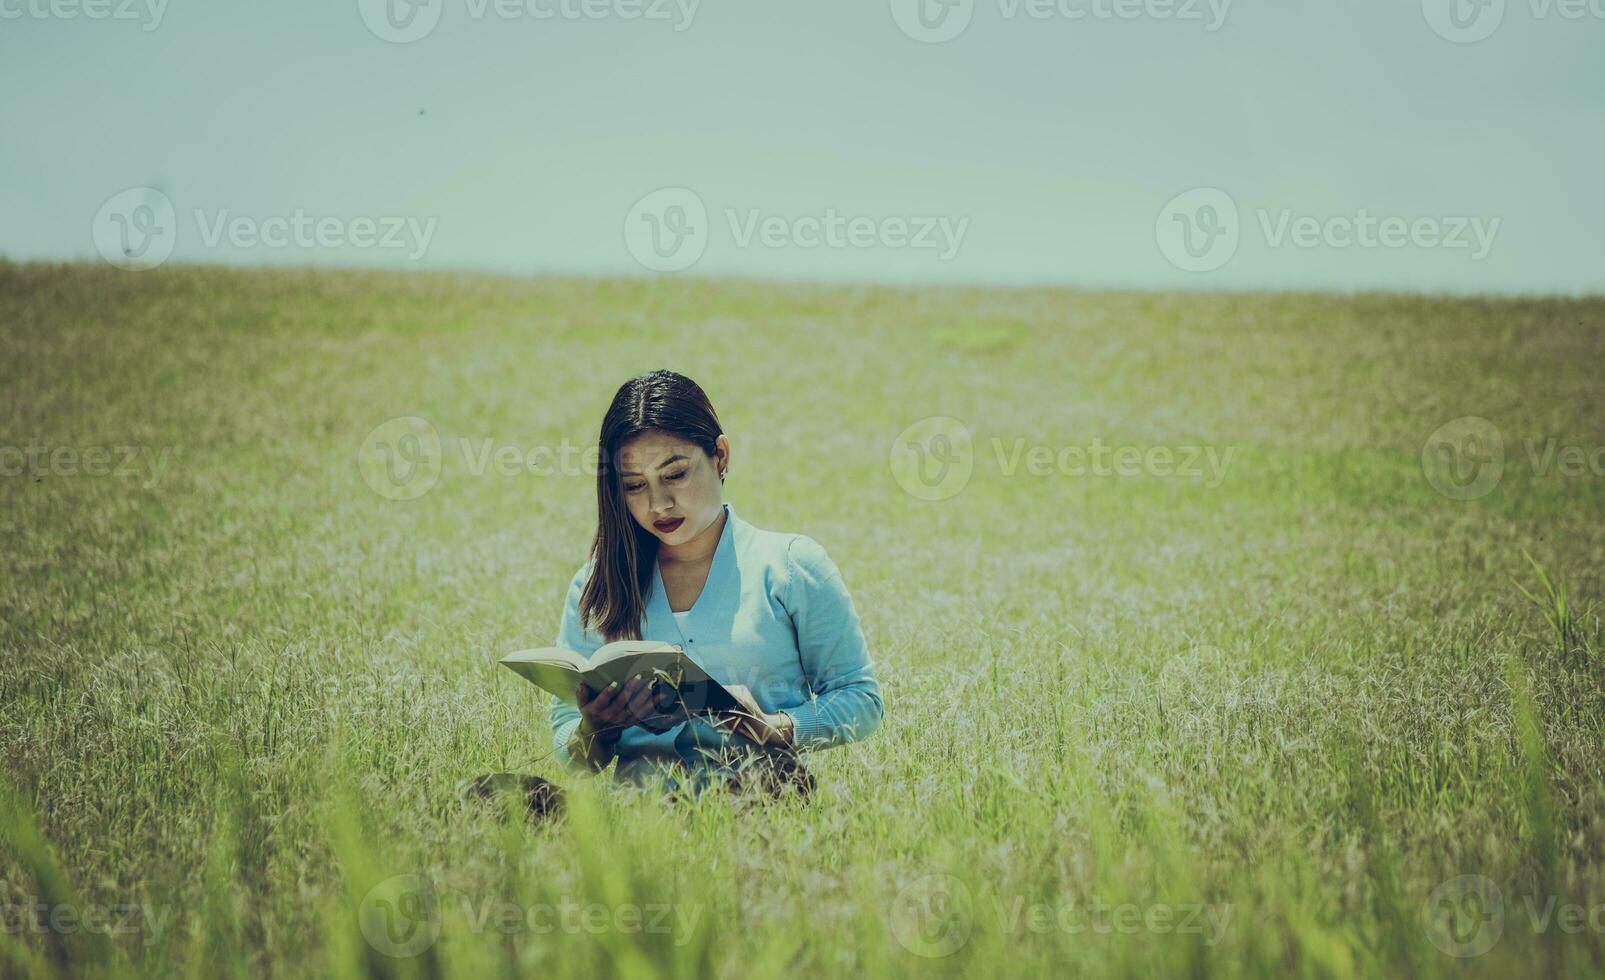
(605, 714)
(611, 710)
(751, 721)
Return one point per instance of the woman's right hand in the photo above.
(606, 713)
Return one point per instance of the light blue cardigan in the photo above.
(775, 616)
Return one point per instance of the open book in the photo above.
(693, 692)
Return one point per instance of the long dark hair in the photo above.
(614, 599)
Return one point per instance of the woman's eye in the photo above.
(633, 487)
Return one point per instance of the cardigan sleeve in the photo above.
(846, 703)
(573, 635)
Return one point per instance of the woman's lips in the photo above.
(668, 526)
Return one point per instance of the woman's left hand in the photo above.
(751, 721)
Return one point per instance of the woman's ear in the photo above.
(721, 449)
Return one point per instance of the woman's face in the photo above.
(664, 478)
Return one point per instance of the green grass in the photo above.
(1285, 710)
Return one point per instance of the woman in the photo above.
(764, 613)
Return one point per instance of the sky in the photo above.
(1426, 145)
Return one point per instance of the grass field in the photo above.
(1301, 715)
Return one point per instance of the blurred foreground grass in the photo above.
(1295, 716)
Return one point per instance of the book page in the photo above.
(553, 669)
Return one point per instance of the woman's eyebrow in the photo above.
(676, 457)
